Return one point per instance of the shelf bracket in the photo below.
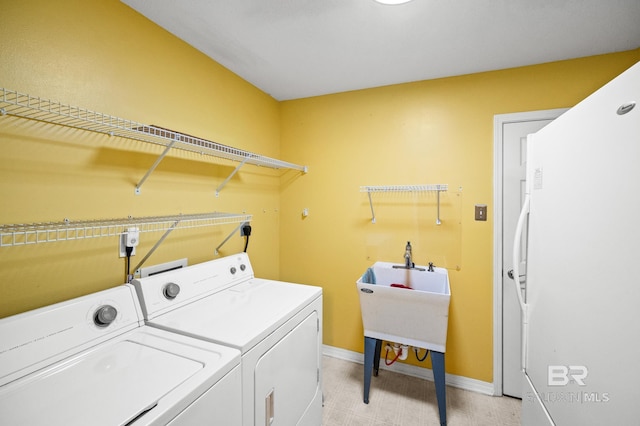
(155, 246)
(228, 236)
(242, 163)
(438, 222)
(158, 160)
(373, 214)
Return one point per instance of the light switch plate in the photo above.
(481, 212)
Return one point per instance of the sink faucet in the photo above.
(408, 260)
(408, 263)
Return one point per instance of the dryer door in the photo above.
(287, 377)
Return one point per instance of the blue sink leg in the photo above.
(437, 362)
(369, 354)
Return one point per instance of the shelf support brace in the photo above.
(158, 160)
(373, 214)
(155, 246)
(219, 188)
(228, 236)
(438, 222)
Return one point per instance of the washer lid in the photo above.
(242, 315)
(105, 386)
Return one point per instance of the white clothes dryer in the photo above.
(92, 361)
(276, 325)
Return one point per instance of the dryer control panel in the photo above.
(170, 290)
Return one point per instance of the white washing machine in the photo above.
(276, 325)
(92, 361)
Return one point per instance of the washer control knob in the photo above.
(171, 290)
(105, 315)
(243, 266)
(233, 270)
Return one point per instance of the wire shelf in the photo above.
(36, 233)
(53, 112)
(437, 188)
(405, 188)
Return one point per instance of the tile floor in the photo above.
(400, 400)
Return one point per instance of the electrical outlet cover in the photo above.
(122, 246)
(481, 212)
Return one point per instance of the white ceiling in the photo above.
(300, 48)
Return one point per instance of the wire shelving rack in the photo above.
(47, 232)
(35, 108)
(437, 188)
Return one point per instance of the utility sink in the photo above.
(417, 316)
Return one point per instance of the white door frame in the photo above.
(499, 120)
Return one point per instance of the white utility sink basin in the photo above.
(418, 316)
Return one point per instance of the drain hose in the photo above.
(386, 356)
(418, 356)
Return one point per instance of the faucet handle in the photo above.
(431, 267)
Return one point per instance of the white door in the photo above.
(514, 140)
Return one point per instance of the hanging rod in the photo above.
(35, 233)
(53, 112)
(438, 188)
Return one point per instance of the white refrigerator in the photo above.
(581, 305)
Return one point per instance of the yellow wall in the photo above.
(104, 56)
(438, 131)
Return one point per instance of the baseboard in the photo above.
(412, 370)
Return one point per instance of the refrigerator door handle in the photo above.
(516, 250)
(516, 273)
